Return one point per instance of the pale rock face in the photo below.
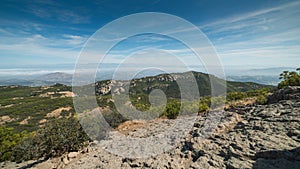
(73, 154)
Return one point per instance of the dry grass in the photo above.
(6, 119)
(25, 121)
(56, 113)
(130, 126)
(243, 102)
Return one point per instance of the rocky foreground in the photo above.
(250, 136)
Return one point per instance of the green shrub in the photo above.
(261, 99)
(289, 79)
(55, 138)
(259, 95)
(172, 109)
(203, 107)
(8, 140)
(233, 96)
(189, 107)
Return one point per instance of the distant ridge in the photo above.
(167, 83)
(202, 79)
(57, 77)
(43, 80)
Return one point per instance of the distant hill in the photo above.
(44, 80)
(57, 77)
(165, 82)
(246, 71)
(261, 79)
(270, 71)
(24, 82)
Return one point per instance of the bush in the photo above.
(172, 109)
(233, 96)
(258, 92)
(261, 99)
(57, 137)
(289, 79)
(8, 140)
(203, 107)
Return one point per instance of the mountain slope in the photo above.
(168, 84)
(249, 136)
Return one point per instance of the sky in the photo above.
(244, 33)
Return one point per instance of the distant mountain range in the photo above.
(34, 77)
(261, 79)
(268, 76)
(57, 77)
(44, 80)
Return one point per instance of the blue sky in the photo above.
(245, 33)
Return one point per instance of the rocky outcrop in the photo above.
(252, 136)
(288, 93)
(261, 136)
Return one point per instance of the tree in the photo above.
(57, 137)
(289, 78)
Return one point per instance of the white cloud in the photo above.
(277, 10)
(40, 46)
(57, 11)
(75, 39)
(267, 36)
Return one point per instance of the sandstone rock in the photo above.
(66, 160)
(73, 154)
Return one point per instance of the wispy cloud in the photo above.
(57, 11)
(75, 39)
(24, 45)
(258, 14)
(266, 36)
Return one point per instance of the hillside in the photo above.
(32, 104)
(248, 136)
(27, 108)
(39, 112)
(167, 83)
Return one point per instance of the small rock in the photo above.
(65, 160)
(73, 154)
